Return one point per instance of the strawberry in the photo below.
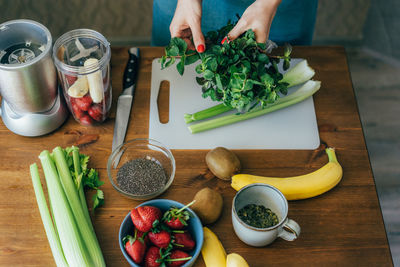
(161, 239)
(176, 223)
(177, 218)
(143, 217)
(184, 241)
(152, 255)
(86, 120)
(178, 258)
(84, 102)
(96, 112)
(70, 79)
(135, 247)
(75, 109)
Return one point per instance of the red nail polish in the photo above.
(200, 48)
(224, 40)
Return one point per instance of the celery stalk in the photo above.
(74, 249)
(299, 74)
(51, 234)
(87, 232)
(81, 192)
(307, 90)
(206, 113)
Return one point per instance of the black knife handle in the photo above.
(131, 69)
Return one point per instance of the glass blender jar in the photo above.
(82, 59)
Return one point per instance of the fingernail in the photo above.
(200, 48)
(224, 40)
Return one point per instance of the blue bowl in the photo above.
(195, 228)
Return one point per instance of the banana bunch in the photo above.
(299, 187)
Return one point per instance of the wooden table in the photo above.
(343, 227)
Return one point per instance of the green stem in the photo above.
(52, 236)
(188, 55)
(331, 154)
(77, 165)
(178, 231)
(81, 192)
(188, 205)
(307, 90)
(206, 113)
(180, 259)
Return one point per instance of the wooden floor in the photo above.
(377, 88)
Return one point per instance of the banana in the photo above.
(79, 88)
(213, 252)
(299, 187)
(235, 260)
(95, 81)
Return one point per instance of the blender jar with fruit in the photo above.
(82, 58)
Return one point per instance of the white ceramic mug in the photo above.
(269, 197)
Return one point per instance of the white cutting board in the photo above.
(294, 127)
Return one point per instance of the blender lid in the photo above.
(23, 42)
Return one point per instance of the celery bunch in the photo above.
(69, 231)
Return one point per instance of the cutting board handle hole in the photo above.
(163, 102)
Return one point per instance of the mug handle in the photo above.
(290, 230)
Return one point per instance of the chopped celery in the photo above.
(307, 90)
(52, 236)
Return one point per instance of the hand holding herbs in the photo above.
(69, 229)
(240, 75)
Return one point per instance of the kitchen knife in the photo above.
(125, 99)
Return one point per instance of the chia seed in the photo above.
(141, 176)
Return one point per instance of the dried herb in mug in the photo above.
(258, 216)
(141, 176)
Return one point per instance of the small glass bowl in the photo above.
(141, 148)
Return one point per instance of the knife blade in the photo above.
(125, 100)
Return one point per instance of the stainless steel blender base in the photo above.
(35, 124)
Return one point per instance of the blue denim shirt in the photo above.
(293, 22)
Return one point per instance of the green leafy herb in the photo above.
(239, 73)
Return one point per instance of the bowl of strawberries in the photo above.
(161, 232)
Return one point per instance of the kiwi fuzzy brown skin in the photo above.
(208, 205)
(223, 163)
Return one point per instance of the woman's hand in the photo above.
(186, 24)
(258, 17)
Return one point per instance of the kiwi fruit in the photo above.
(208, 205)
(223, 163)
